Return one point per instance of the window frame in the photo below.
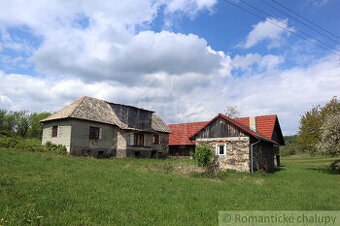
(93, 136)
(218, 149)
(155, 139)
(55, 131)
(139, 139)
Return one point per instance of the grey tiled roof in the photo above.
(88, 108)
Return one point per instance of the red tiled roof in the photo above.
(265, 124)
(182, 132)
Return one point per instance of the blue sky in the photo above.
(185, 59)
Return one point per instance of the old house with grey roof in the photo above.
(99, 128)
(242, 144)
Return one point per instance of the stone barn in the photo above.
(99, 128)
(242, 144)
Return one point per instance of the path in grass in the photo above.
(50, 189)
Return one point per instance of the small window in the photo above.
(54, 131)
(94, 133)
(139, 139)
(221, 149)
(155, 139)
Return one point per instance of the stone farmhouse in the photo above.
(243, 144)
(99, 128)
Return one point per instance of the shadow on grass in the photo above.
(276, 169)
(324, 170)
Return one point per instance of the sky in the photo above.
(185, 59)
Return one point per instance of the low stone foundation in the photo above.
(237, 152)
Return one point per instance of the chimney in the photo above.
(252, 123)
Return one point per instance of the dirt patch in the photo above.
(187, 169)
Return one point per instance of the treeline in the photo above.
(319, 131)
(291, 146)
(21, 123)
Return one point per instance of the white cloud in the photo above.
(245, 62)
(190, 6)
(114, 56)
(110, 46)
(266, 30)
(288, 93)
(91, 57)
(263, 63)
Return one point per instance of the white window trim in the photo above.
(217, 149)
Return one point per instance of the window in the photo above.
(94, 133)
(221, 149)
(155, 139)
(139, 139)
(54, 131)
(136, 139)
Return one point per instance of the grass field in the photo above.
(48, 189)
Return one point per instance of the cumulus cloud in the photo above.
(105, 49)
(266, 30)
(109, 41)
(254, 60)
(146, 53)
(288, 93)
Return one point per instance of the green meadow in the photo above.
(41, 188)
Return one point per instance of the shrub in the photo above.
(203, 155)
(59, 149)
(38, 148)
(5, 133)
(48, 145)
(9, 142)
(335, 167)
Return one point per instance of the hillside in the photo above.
(50, 189)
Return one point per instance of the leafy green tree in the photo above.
(21, 122)
(3, 114)
(310, 132)
(9, 122)
(36, 127)
(331, 108)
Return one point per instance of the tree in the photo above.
(331, 108)
(8, 122)
(310, 131)
(21, 122)
(330, 139)
(232, 111)
(3, 114)
(36, 127)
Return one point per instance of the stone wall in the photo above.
(237, 152)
